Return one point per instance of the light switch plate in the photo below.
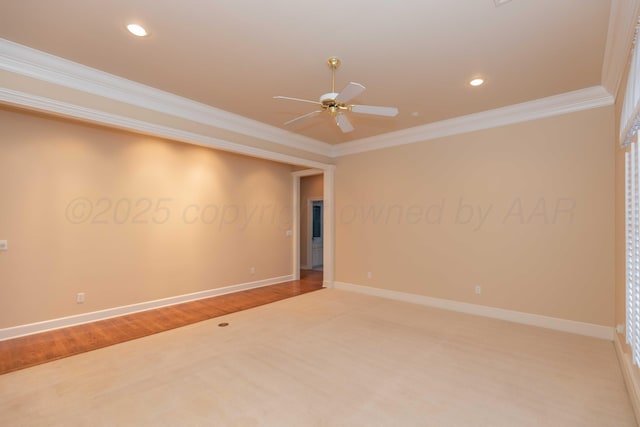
(4, 245)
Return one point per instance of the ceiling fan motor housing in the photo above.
(328, 101)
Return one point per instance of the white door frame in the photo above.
(328, 252)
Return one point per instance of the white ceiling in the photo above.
(417, 55)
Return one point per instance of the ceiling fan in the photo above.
(337, 103)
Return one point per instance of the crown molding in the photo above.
(33, 63)
(569, 102)
(39, 103)
(23, 60)
(622, 26)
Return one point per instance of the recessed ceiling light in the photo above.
(500, 2)
(137, 30)
(476, 82)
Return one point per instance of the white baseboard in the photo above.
(630, 374)
(63, 322)
(581, 328)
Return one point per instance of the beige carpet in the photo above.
(330, 358)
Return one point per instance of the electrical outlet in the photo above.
(369, 275)
(620, 329)
(289, 233)
(4, 245)
(252, 271)
(477, 289)
(80, 298)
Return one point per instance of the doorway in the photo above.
(303, 192)
(314, 245)
(311, 226)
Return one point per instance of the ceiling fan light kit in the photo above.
(337, 103)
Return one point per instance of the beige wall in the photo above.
(526, 211)
(198, 219)
(311, 187)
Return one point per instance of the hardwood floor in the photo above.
(31, 350)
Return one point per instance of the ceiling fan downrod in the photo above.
(334, 63)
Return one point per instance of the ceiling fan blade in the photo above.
(306, 116)
(296, 99)
(372, 109)
(343, 123)
(349, 92)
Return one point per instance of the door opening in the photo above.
(309, 186)
(317, 211)
(311, 226)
